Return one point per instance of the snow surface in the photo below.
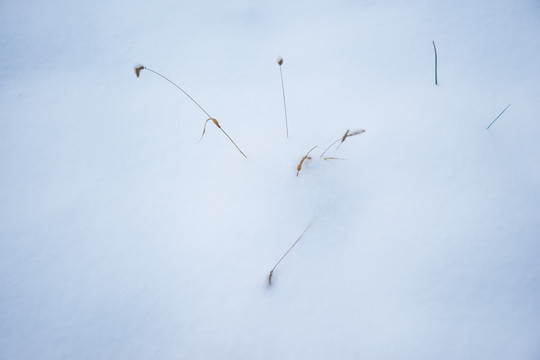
(123, 238)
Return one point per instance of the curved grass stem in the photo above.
(280, 62)
(275, 266)
(138, 71)
(179, 88)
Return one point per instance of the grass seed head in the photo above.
(357, 132)
(345, 136)
(138, 70)
(349, 134)
(280, 61)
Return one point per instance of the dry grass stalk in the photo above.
(435, 49)
(138, 70)
(333, 158)
(280, 62)
(498, 116)
(274, 268)
(220, 128)
(343, 138)
(306, 157)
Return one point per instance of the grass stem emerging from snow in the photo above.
(138, 70)
(275, 266)
(280, 62)
(498, 116)
(435, 49)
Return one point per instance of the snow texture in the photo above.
(121, 237)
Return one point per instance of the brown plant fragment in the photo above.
(138, 70)
(306, 157)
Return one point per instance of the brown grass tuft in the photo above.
(306, 157)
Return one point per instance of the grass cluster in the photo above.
(348, 133)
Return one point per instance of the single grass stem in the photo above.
(179, 88)
(498, 117)
(435, 49)
(275, 266)
(138, 71)
(280, 62)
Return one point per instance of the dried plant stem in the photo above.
(306, 157)
(498, 116)
(233, 142)
(220, 128)
(179, 88)
(435, 49)
(343, 138)
(280, 62)
(332, 144)
(137, 72)
(274, 268)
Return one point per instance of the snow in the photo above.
(122, 237)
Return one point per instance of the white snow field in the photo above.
(121, 237)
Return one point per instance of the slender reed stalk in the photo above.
(498, 116)
(138, 70)
(435, 49)
(275, 266)
(306, 157)
(343, 138)
(280, 62)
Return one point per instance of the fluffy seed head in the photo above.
(357, 132)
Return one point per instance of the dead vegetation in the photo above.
(347, 134)
(340, 140)
(275, 266)
(306, 157)
(280, 62)
(138, 70)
